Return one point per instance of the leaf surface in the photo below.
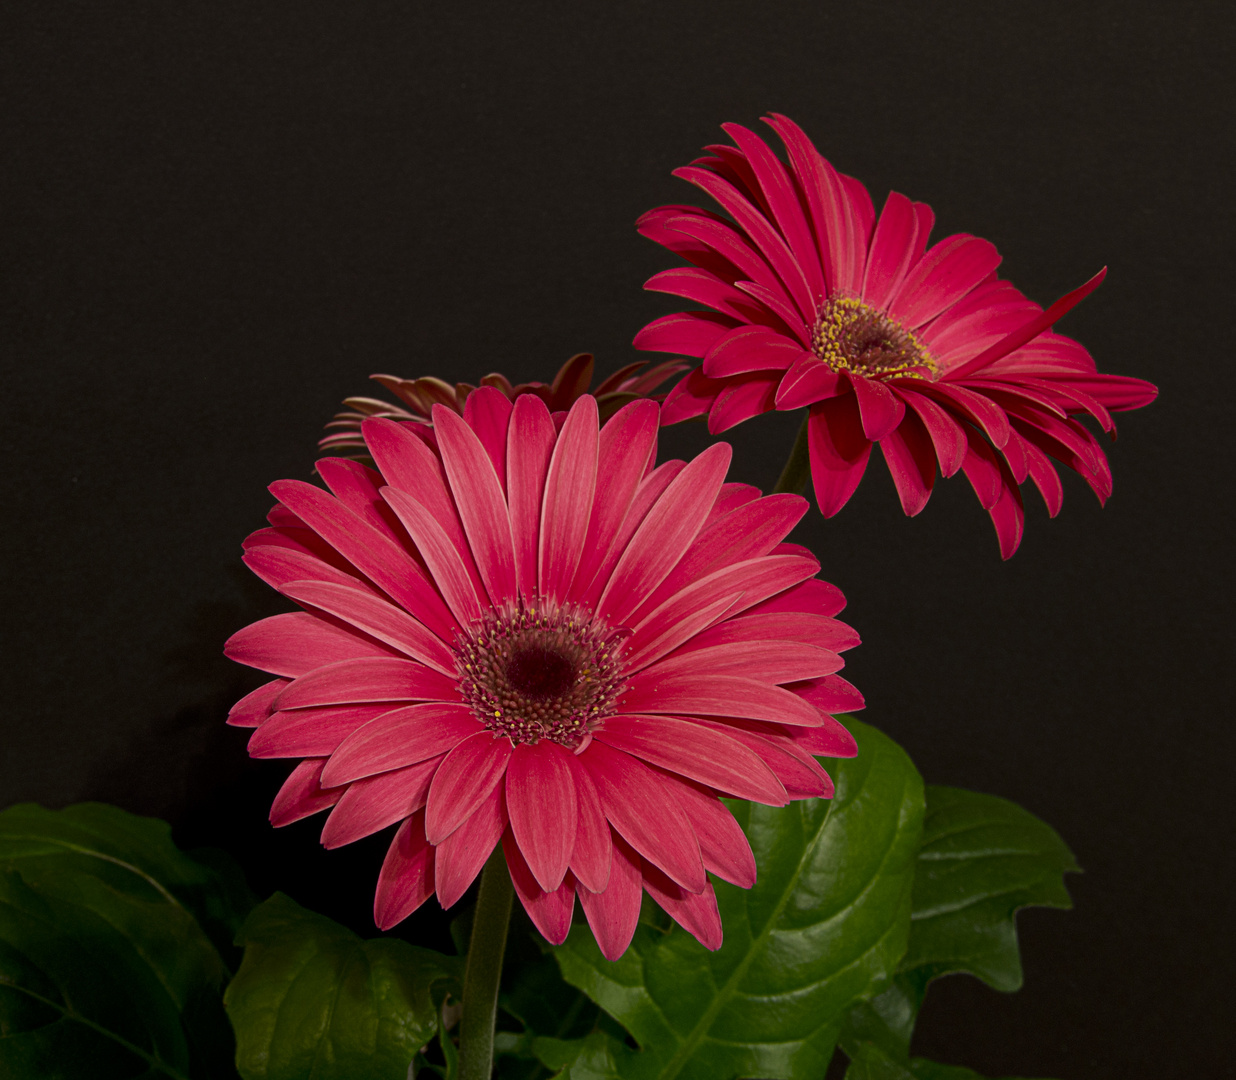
(105, 969)
(314, 1001)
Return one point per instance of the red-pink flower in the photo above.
(923, 350)
(419, 396)
(528, 634)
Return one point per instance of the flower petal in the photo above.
(838, 451)
(257, 705)
(488, 412)
(639, 805)
(590, 858)
(530, 444)
(311, 732)
(948, 271)
(567, 507)
(302, 794)
(692, 750)
(549, 909)
(880, 408)
(375, 802)
(297, 642)
(614, 913)
(407, 877)
(542, 804)
(695, 912)
(369, 678)
(715, 695)
(459, 858)
(400, 737)
(465, 778)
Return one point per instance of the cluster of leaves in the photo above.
(117, 954)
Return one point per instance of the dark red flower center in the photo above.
(541, 674)
(851, 336)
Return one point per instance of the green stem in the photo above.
(484, 970)
(797, 469)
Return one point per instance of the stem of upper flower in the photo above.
(484, 970)
(797, 469)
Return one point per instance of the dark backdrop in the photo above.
(219, 219)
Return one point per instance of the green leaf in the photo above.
(981, 860)
(600, 1055)
(872, 1063)
(825, 925)
(313, 1001)
(105, 970)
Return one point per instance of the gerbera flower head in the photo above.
(814, 301)
(527, 634)
(419, 396)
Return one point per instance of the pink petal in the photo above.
(813, 597)
(881, 409)
(590, 858)
(982, 469)
(695, 912)
(831, 740)
(1008, 516)
(311, 732)
(723, 844)
(482, 504)
(798, 773)
(567, 508)
(357, 487)
(297, 642)
(465, 778)
(530, 444)
(747, 532)
(703, 288)
(409, 465)
(407, 877)
(302, 794)
(777, 312)
(614, 913)
(768, 660)
(257, 705)
(650, 490)
(751, 264)
(896, 245)
(807, 381)
(541, 802)
(375, 802)
(783, 202)
(369, 678)
(488, 412)
(972, 406)
(911, 460)
(277, 566)
(751, 348)
(401, 737)
(745, 396)
(377, 619)
(549, 909)
(1032, 328)
(837, 227)
(688, 333)
(838, 450)
(731, 497)
(731, 589)
(371, 552)
(1045, 478)
(692, 750)
(946, 434)
(692, 397)
(641, 807)
(665, 534)
(831, 694)
(715, 695)
(459, 858)
(444, 559)
(948, 271)
(628, 444)
(775, 627)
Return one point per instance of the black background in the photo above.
(219, 219)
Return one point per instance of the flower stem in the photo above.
(484, 970)
(793, 477)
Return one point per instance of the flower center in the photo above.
(541, 674)
(850, 336)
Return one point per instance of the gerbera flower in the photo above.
(532, 636)
(421, 395)
(816, 302)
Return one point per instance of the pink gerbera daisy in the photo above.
(923, 350)
(527, 634)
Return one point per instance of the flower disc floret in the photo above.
(852, 336)
(541, 673)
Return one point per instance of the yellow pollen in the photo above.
(851, 336)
